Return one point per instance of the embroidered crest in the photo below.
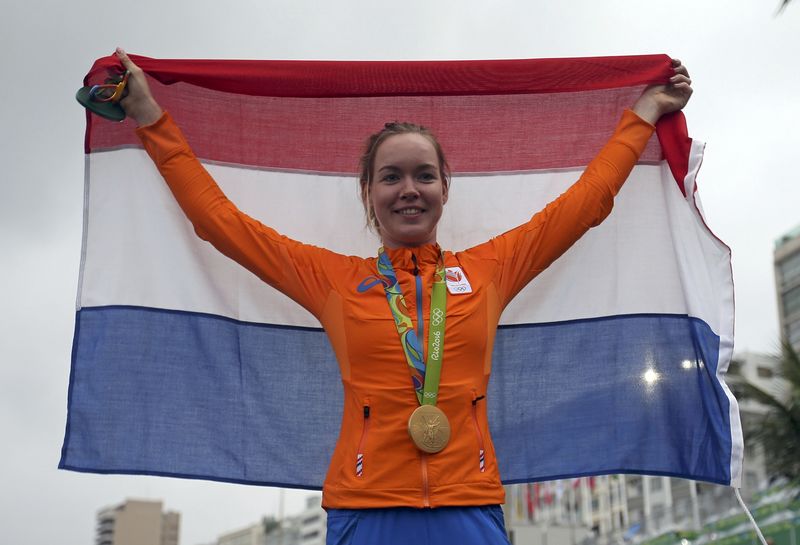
(457, 283)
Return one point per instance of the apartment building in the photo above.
(137, 522)
(787, 284)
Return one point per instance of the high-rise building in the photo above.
(284, 532)
(787, 284)
(307, 528)
(254, 534)
(137, 522)
(313, 522)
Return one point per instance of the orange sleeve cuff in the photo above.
(162, 138)
(634, 131)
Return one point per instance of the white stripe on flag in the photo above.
(147, 254)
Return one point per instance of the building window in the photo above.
(735, 367)
(794, 333)
(791, 301)
(656, 484)
(790, 269)
(658, 516)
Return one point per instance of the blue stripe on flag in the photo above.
(240, 402)
(628, 394)
(220, 400)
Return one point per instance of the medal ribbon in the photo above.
(425, 378)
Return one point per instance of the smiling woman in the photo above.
(404, 451)
(404, 152)
(406, 190)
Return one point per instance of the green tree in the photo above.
(778, 431)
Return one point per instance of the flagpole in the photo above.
(559, 504)
(529, 509)
(614, 495)
(668, 496)
(695, 505)
(522, 502)
(586, 499)
(624, 498)
(605, 505)
(573, 511)
(647, 504)
(280, 516)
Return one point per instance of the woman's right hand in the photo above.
(139, 103)
(658, 100)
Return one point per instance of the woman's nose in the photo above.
(409, 188)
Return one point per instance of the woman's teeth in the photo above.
(409, 211)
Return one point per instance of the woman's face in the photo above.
(407, 191)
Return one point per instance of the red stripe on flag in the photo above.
(395, 78)
(478, 133)
(673, 135)
(542, 114)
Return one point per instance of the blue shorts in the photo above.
(403, 525)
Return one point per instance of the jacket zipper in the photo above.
(362, 441)
(481, 452)
(426, 500)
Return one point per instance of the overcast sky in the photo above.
(743, 58)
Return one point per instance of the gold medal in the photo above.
(429, 428)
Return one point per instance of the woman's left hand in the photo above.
(658, 100)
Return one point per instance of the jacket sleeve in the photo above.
(527, 250)
(293, 268)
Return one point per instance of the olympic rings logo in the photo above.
(437, 316)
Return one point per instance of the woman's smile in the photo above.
(407, 191)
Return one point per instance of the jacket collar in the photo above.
(403, 258)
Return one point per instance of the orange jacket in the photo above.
(378, 395)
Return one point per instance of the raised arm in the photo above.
(658, 100)
(139, 104)
(295, 269)
(527, 250)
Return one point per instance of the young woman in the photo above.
(414, 462)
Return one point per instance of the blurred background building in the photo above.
(306, 528)
(787, 283)
(137, 522)
(313, 522)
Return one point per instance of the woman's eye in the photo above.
(427, 177)
(390, 178)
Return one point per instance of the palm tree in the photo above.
(778, 430)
